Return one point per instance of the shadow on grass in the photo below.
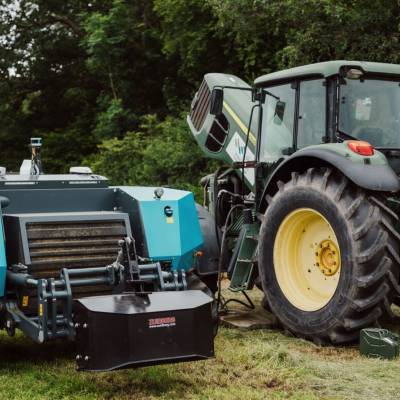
(15, 350)
(21, 358)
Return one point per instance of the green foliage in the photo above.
(83, 74)
(159, 153)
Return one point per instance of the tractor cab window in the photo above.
(278, 121)
(369, 110)
(312, 113)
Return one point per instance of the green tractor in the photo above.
(307, 208)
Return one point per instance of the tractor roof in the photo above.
(326, 69)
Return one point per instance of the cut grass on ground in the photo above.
(261, 364)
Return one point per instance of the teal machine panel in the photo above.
(3, 262)
(171, 224)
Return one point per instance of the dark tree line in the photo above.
(107, 82)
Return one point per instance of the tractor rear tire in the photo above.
(328, 257)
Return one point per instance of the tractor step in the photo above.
(242, 265)
(132, 330)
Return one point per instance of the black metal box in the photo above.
(129, 330)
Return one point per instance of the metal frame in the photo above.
(125, 274)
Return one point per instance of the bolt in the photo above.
(309, 270)
(78, 357)
(87, 358)
(76, 325)
(317, 264)
(316, 254)
(85, 326)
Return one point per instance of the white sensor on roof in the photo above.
(80, 170)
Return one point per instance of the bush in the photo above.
(161, 153)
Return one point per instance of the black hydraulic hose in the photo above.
(221, 254)
(249, 303)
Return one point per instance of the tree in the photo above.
(159, 153)
(83, 73)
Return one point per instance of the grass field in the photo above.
(260, 364)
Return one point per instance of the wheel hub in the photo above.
(327, 257)
(307, 259)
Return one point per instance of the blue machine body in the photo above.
(171, 224)
(3, 261)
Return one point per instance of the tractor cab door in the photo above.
(296, 120)
(311, 116)
(278, 123)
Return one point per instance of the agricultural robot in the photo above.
(118, 269)
(308, 206)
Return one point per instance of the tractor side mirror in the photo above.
(217, 101)
(280, 110)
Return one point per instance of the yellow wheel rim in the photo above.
(307, 259)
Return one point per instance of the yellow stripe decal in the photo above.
(242, 126)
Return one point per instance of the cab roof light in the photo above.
(361, 147)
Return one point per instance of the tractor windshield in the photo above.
(370, 110)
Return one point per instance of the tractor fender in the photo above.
(208, 263)
(370, 173)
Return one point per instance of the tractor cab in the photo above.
(330, 102)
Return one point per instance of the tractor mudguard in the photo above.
(208, 263)
(368, 172)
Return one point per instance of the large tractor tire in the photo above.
(328, 257)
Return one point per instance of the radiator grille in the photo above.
(83, 244)
(201, 106)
